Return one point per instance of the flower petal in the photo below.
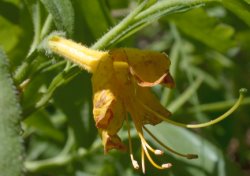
(111, 142)
(102, 108)
(146, 97)
(103, 95)
(148, 67)
(108, 109)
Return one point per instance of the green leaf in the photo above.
(247, 1)
(75, 101)
(198, 25)
(211, 160)
(34, 8)
(146, 13)
(11, 149)
(239, 8)
(41, 123)
(63, 14)
(97, 9)
(244, 38)
(12, 31)
(5, 8)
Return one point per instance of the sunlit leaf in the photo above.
(12, 31)
(62, 12)
(208, 30)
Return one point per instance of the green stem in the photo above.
(61, 79)
(23, 71)
(164, 7)
(218, 106)
(111, 35)
(61, 160)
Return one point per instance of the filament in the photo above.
(143, 160)
(155, 151)
(164, 166)
(188, 156)
(134, 162)
(201, 125)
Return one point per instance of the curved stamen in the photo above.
(164, 166)
(155, 151)
(188, 156)
(218, 119)
(134, 162)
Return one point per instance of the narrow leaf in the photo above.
(96, 9)
(62, 12)
(239, 8)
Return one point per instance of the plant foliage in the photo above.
(207, 42)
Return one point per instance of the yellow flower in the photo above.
(121, 85)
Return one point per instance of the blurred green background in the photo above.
(209, 47)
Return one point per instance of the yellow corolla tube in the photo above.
(121, 84)
(84, 57)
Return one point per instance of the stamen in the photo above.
(158, 152)
(143, 160)
(155, 151)
(188, 156)
(150, 159)
(166, 166)
(134, 162)
(201, 125)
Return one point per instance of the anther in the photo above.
(158, 152)
(166, 165)
(188, 156)
(192, 156)
(135, 164)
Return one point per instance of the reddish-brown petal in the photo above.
(112, 142)
(102, 108)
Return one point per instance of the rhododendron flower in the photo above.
(121, 85)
